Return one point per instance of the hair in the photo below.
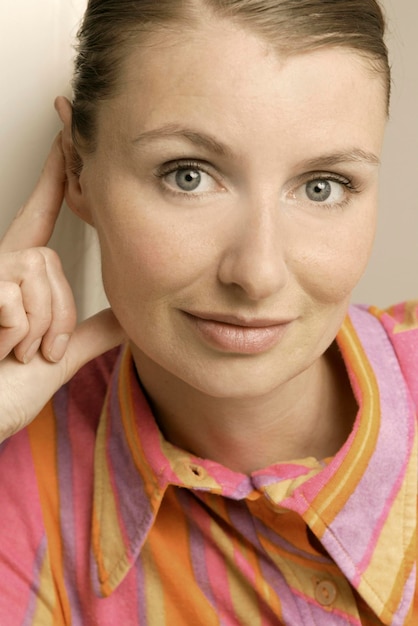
(111, 27)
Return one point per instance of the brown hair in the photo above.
(292, 26)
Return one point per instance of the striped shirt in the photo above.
(104, 522)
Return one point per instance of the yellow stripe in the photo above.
(43, 613)
(344, 482)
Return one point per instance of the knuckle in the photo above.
(10, 293)
(49, 255)
(33, 259)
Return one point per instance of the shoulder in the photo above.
(78, 403)
(399, 326)
(85, 392)
(398, 320)
(67, 423)
(41, 484)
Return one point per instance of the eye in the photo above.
(329, 190)
(319, 190)
(188, 178)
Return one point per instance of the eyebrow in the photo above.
(203, 140)
(352, 155)
(197, 138)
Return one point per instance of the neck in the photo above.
(310, 416)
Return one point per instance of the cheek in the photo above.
(330, 270)
(145, 260)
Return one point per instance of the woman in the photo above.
(248, 456)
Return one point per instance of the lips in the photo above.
(238, 335)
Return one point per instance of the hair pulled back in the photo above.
(292, 26)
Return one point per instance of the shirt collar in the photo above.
(361, 504)
(134, 465)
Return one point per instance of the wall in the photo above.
(391, 275)
(36, 51)
(35, 60)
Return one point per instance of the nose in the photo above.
(254, 258)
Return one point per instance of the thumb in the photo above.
(93, 337)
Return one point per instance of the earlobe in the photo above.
(74, 194)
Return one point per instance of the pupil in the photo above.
(319, 190)
(188, 180)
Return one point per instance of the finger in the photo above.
(28, 271)
(49, 305)
(31, 386)
(13, 321)
(63, 312)
(34, 223)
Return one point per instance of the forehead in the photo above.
(235, 84)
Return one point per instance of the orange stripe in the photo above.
(169, 546)
(42, 436)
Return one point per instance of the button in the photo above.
(326, 592)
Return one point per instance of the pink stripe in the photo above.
(335, 613)
(22, 530)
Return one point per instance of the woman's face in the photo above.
(234, 194)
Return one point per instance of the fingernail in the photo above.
(30, 352)
(58, 348)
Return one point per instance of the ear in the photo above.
(74, 194)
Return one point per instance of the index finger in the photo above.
(34, 223)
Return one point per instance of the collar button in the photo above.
(325, 592)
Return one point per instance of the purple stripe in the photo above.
(197, 545)
(66, 501)
(388, 460)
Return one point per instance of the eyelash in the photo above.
(349, 185)
(177, 166)
(201, 166)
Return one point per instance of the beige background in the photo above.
(35, 61)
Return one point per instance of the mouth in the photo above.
(235, 334)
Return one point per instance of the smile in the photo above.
(236, 335)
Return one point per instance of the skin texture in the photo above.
(248, 243)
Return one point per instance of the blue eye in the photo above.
(319, 190)
(188, 179)
(323, 189)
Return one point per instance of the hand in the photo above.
(40, 348)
